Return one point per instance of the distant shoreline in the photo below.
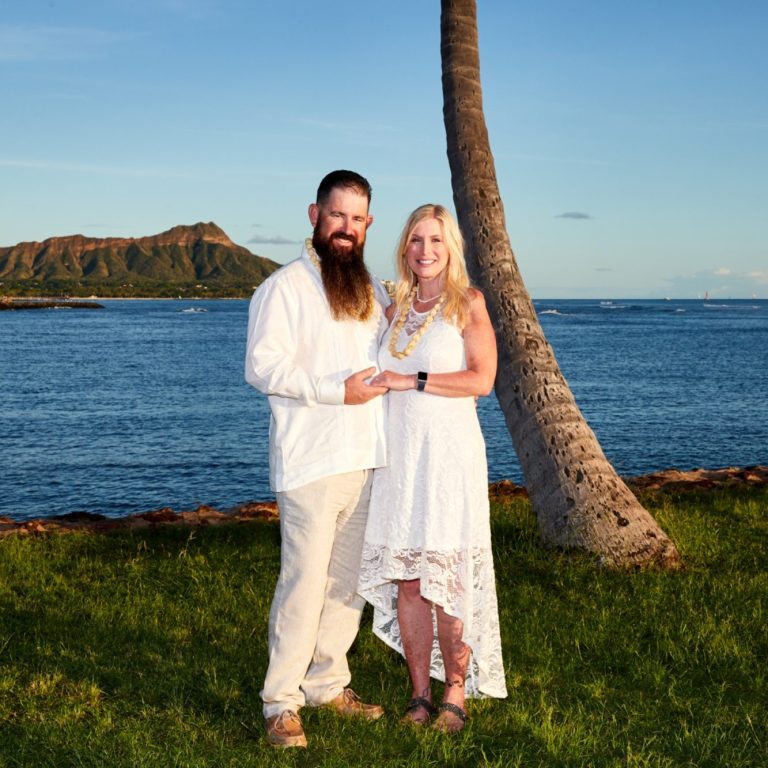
(171, 298)
(246, 297)
(168, 298)
(10, 303)
(15, 304)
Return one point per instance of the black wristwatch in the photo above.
(421, 380)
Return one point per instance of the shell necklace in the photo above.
(312, 254)
(411, 345)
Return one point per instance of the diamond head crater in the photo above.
(197, 261)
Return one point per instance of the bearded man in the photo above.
(313, 336)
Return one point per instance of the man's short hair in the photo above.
(343, 180)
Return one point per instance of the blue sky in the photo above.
(631, 139)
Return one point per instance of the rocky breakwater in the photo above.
(667, 481)
(8, 303)
(94, 523)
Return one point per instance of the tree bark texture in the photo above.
(579, 500)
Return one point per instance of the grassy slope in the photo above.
(148, 649)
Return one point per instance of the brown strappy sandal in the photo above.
(451, 719)
(415, 704)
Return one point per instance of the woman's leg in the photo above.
(414, 615)
(455, 657)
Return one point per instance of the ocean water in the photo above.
(143, 404)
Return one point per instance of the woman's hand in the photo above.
(480, 354)
(397, 381)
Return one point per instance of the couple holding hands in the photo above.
(378, 464)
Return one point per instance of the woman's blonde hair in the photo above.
(456, 287)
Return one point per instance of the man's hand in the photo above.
(357, 392)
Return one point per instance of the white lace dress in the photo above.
(428, 517)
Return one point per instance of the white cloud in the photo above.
(722, 272)
(276, 240)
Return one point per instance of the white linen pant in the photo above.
(316, 610)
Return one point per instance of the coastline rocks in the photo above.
(667, 481)
(257, 510)
(9, 304)
(507, 489)
(96, 523)
(673, 480)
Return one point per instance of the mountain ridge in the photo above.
(198, 256)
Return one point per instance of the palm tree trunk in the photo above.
(579, 500)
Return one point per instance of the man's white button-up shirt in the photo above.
(299, 357)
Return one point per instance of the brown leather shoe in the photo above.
(348, 703)
(284, 730)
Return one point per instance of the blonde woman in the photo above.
(427, 564)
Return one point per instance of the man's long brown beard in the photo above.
(346, 279)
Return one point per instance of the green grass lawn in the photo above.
(148, 648)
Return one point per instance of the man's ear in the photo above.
(369, 222)
(314, 214)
